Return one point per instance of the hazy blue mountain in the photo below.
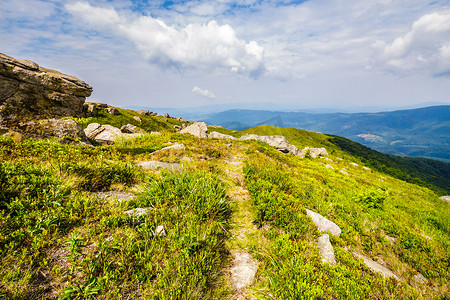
(423, 132)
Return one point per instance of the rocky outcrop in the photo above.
(326, 249)
(65, 130)
(445, 198)
(29, 92)
(175, 147)
(323, 224)
(198, 129)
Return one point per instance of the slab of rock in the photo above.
(445, 198)
(354, 164)
(344, 172)
(137, 119)
(326, 249)
(277, 141)
(176, 147)
(112, 111)
(390, 239)
(29, 92)
(323, 224)
(198, 129)
(218, 135)
(129, 128)
(376, 267)
(137, 212)
(144, 112)
(243, 270)
(328, 166)
(159, 231)
(159, 165)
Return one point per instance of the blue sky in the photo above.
(341, 54)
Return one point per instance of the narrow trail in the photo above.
(244, 235)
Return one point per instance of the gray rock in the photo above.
(313, 152)
(177, 127)
(354, 164)
(144, 112)
(93, 129)
(159, 231)
(344, 172)
(366, 168)
(419, 278)
(155, 133)
(197, 129)
(323, 224)
(445, 198)
(105, 134)
(243, 270)
(217, 135)
(129, 128)
(90, 109)
(390, 239)
(137, 212)
(112, 111)
(175, 147)
(328, 166)
(137, 119)
(159, 165)
(326, 249)
(277, 141)
(376, 267)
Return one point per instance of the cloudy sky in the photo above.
(338, 54)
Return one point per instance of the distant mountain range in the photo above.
(423, 132)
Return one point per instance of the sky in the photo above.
(336, 54)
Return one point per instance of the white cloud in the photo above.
(423, 49)
(208, 46)
(202, 92)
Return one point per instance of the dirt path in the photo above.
(244, 235)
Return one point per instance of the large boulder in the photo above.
(129, 128)
(65, 130)
(29, 92)
(218, 135)
(198, 129)
(313, 152)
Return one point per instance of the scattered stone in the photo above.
(326, 249)
(366, 168)
(323, 224)
(90, 109)
(137, 212)
(176, 147)
(159, 164)
(354, 164)
(116, 195)
(419, 278)
(129, 128)
(29, 92)
(137, 119)
(166, 115)
(159, 231)
(390, 239)
(144, 112)
(344, 172)
(155, 133)
(153, 114)
(217, 135)
(376, 267)
(113, 111)
(327, 159)
(313, 152)
(243, 271)
(105, 134)
(164, 119)
(197, 129)
(177, 127)
(15, 135)
(445, 198)
(328, 166)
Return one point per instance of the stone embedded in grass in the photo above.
(419, 278)
(129, 128)
(376, 267)
(277, 141)
(159, 164)
(390, 239)
(243, 270)
(326, 249)
(313, 152)
(328, 166)
(119, 196)
(137, 212)
(445, 198)
(366, 168)
(136, 118)
(197, 129)
(323, 224)
(176, 147)
(354, 164)
(344, 172)
(159, 231)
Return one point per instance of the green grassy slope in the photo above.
(58, 239)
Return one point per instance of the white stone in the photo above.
(243, 270)
(376, 267)
(197, 129)
(159, 164)
(445, 198)
(328, 166)
(218, 135)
